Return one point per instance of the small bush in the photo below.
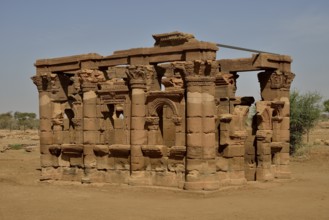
(304, 114)
(15, 146)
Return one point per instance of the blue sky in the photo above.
(37, 29)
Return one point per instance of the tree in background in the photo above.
(326, 106)
(25, 119)
(304, 113)
(7, 121)
(18, 120)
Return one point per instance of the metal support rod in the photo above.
(244, 49)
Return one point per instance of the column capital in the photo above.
(138, 75)
(207, 68)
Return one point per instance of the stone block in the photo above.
(90, 124)
(263, 148)
(50, 173)
(250, 173)
(236, 164)
(47, 160)
(264, 158)
(264, 174)
(137, 123)
(91, 137)
(121, 163)
(208, 140)
(138, 96)
(90, 161)
(76, 160)
(239, 174)
(285, 136)
(193, 176)
(46, 138)
(194, 152)
(102, 163)
(285, 147)
(194, 164)
(117, 176)
(101, 150)
(285, 111)
(284, 158)
(194, 110)
(138, 110)
(211, 185)
(119, 123)
(209, 152)
(120, 137)
(194, 125)
(284, 168)
(194, 139)
(180, 139)
(264, 135)
(194, 104)
(234, 151)
(193, 185)
(222, 176)
(209, 166)
(194, 89)
(137, 163)
(209, 125)
(57, 137)
(138, 137)
(72, 174)
(222, 164)
(89, 111)
(176, 165)
(44, 149)
(208, 107)
(45, 124)
(285, 123)
(224, 138)
(225, 126)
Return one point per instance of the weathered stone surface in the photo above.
(165, 115)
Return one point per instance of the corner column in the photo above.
(47, 159)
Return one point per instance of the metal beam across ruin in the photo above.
(244, 49)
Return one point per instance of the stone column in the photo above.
(45, 114)
(200, 163)
(138, 135)
(90, 124)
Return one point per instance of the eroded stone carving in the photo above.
(164, 116)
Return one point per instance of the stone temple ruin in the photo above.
(163, 116)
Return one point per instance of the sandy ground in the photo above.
(22, 196)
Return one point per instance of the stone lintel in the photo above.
(68, 60)
(256, 62)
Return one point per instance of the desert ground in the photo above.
(23, 196)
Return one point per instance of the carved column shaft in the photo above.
(138, 136)
(45, 113)
(201, 168)
(90, 124)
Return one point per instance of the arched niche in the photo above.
(163, 117)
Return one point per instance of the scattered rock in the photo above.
(318, 141)
(3, 148)
(326, 142)
(29, 148)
